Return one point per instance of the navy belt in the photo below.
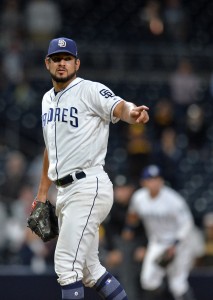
(69, 178)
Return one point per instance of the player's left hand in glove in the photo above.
(43, 221)
(166, 257)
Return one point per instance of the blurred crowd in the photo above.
(179, 136)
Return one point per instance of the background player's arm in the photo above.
(185, 222)
(45, 182)
(130, 113)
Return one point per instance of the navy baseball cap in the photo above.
(62, 45)
(151, 171)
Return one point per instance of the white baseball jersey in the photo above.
(75, 123)
(166, 217)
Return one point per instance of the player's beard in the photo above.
(63, 79)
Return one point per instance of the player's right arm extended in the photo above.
(130, 113)
(45, 182)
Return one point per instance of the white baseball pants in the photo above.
(81, 207)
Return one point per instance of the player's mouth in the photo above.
(61, 71)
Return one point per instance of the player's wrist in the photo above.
(40, 199)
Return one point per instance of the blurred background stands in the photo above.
(158, 53)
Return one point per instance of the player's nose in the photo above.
(62, 61)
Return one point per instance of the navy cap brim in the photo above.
(60, 51)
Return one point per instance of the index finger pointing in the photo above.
(141, 108)
(144, 107)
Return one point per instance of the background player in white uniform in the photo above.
(169, 227)
(76, 114)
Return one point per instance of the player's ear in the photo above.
(47, 62)
(77, 63)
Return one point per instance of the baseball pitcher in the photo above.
(76, 114)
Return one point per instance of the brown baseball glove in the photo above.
(43, 221)
(166, 257)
